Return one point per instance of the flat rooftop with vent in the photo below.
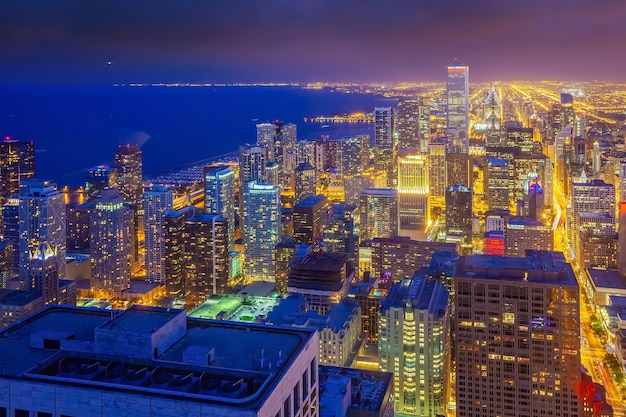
(152, 361)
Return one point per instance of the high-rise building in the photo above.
(206, 257)
(322, 277)
(100, 177)
(41, 219)
(17, 162)
(591, 198)
(6, 261)
(525, 233)
(44, 273)
(459, 215)
(568, 117)
(385, 143)
(278, 138)
(110, 229)
(77, 224)
(457, 94)
(340, 235)
(526, 363)
(413, 191)
(413, 344)
(261, 229)
(157, 202)
(408, 122)
(437, 182)
(497, 187)
(174, 248)
(305, 181)
(400, 256)
(622, 181)
(309, 219)
(378, 209)
(129, 167)
(520, 137)
(11, 229)
(459, 169)
(492, 110)
(219, 197)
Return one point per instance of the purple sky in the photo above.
(63, 41)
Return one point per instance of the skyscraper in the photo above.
(261, 229)
(157, 201)
(129, 167)
(385, 144)
(206, 257)
(41, 219)
(17, 162)
(11, 229)
(413, 344)
(527, 362)
(437, 182)
(378, 208)
(408, 127)
(457, 94)
(174, 248)
(492, 110)
(44, 273)
(459, 215)
(309, 219)
(219, 197)
(497, 187)
(110, 231)
(568, 117)
(100, 177)
(413, 191)
(305, 181)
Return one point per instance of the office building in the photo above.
(110, 229)
(459, 215)
(525, 233)
(378, 209)
(44, 274)
(155, 361)
(527, 362)
(568, 117)
(340, 234)
(411, 123)
(413, 344)
(309, 219)
(622, 181)
(17, 162)
(400, 256)
(206, 257)
(593, 203)
(278, 138)
(219, 197)
(322, 277)
(157, 202)
(413, 191)
(521, 138)
(174, 249)
(305, 181)
(41, 219)
(261, 230)
(497, 187)
(457, 95)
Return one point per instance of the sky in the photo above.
(122, 41)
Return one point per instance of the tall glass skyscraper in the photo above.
(156, 202)
(457, 93)
(378, 208)
(17, 162)
(219, 197)
(129, 166)
(41, 219)
(261, 229)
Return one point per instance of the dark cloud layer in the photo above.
(294, 40)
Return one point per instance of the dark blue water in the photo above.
(78, 127)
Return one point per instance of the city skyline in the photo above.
(104, 42)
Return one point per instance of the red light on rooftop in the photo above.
(7, 138)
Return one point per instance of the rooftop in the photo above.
(235, 307)
(607, 278)
(423, 294)
(370, 390)
(538, 266)
(208, 361)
